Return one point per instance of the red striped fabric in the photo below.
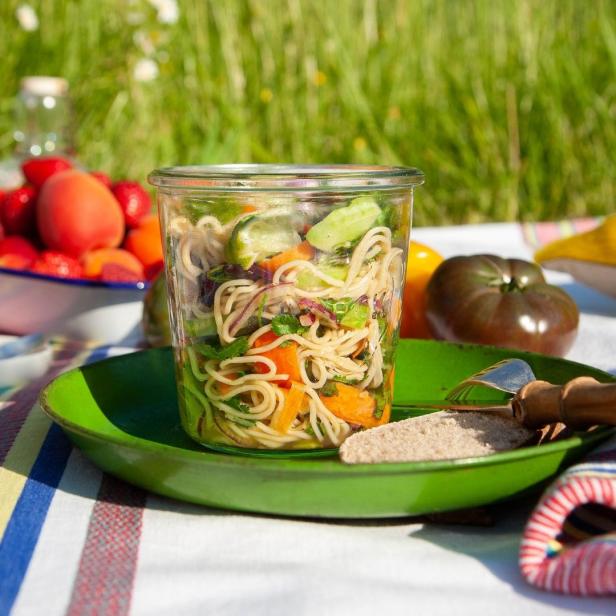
(538, 234)
(580, 568)
(106, 573)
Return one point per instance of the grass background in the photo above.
(508, 107)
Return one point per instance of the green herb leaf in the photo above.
(238, 347)
(382, 321)
(204, 327)
(382, 397)
(389, 349)
(283, 324)
(338, 306)
(261, 309)
(220, 274)
(320, 425)
(238, 405)
(345, 379)
(329, 389)
(343, 252)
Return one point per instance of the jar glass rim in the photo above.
(286, 177)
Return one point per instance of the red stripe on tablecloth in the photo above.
(104, 581)
(18, 407)
(542, 233)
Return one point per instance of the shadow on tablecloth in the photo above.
(496, 548)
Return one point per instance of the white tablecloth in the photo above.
(193, 560)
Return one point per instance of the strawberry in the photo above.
(18, 211)
(53, 263)
(39, 170)
(112, 272)
(134, 201)
(16, 246)
(103, 178)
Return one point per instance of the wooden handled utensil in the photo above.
(580, 403)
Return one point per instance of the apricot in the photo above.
(95, 261)
(145, 243)
(76, 213)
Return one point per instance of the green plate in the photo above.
(122, 413)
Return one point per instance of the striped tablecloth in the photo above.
(76, 541)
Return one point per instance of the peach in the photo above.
(76, 213)
(145, 242)
(94, 261)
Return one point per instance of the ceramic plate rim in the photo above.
(140, 286)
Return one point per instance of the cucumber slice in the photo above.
(356, 317)
(225, 209)
(309, 281)
(344, 224)
(259, 236)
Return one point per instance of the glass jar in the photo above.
(285, 286)
(43, 118)
(43, 126)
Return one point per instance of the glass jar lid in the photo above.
(257, 177)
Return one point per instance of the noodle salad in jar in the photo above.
(284, 305)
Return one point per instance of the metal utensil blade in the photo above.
(508, 375)
(447, 405)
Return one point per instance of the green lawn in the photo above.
(509, 107)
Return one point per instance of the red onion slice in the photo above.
(274, 289)
(318, 309)
(307, 319)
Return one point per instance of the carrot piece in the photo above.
(285, 358)
(301, 252)
(293, 403)
(355, 406)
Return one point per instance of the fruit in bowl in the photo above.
(67, 264)
(76, 213)
(88, 222)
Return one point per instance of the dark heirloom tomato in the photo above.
(504, 302)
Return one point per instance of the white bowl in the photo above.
(26, 367)
(104, 312)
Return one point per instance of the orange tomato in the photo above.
(421, 263)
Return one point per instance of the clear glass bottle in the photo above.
(43, 125)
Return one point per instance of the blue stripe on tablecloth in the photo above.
(24, 527)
